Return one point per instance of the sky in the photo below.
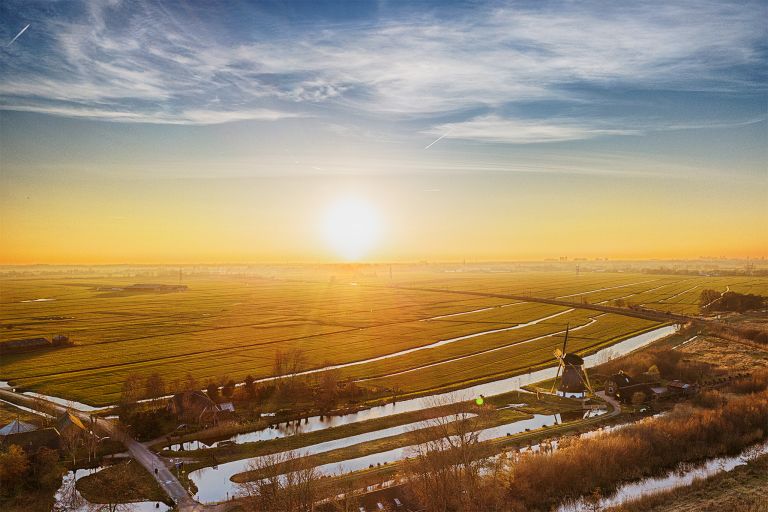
(207, 132)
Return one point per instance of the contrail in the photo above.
(17, 36)
(438, 139)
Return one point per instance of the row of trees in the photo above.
(712, 300)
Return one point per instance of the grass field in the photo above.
(8, 413)
(231, 325)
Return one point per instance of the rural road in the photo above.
(147, 458)
(647, 314)
(612, 402)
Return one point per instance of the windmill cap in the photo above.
(573, 359)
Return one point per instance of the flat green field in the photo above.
(8, 413)
(231, 325)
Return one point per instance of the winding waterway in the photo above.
(682, 476)
(315, 423)
(214, 483)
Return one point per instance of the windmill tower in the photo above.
(574, 379)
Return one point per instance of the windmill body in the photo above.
(574, 379)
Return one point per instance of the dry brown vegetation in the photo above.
(754, 383)
(671, 364)
(687, 434)
(593, 466)
(740, 334)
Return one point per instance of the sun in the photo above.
(351, 228)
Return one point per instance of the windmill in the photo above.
(574, 379)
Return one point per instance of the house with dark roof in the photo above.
(194, 407)
(33, 439)
(626, 388)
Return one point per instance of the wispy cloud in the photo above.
(496, 129)
(143, 62)
(201, 117)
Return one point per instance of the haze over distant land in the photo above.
(151, 132)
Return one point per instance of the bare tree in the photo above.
(189, 384)
(91, 440)
(47, 408)
(284, 482)
(154, 385)
(71, 440)
(346, 499)
(132, 391)
(444, 470)
(288, 364)
(328, 387)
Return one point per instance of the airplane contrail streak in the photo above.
(17, 35)
(438, 139)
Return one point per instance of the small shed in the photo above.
(226, 407)
(60, 339)
(677, 387)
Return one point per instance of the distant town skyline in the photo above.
(150, 132)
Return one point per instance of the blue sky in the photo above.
(504, 72)
(195, 90)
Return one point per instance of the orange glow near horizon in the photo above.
(327, 221)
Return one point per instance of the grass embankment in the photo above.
(125, 482)
(490, 417)
(742, 489)
(373, 476)
(542, 405)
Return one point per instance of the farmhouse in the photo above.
(193, 407)
(33, 439)
(625, 388)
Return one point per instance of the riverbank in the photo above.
(743, 489)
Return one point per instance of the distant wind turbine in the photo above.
(17, 35)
